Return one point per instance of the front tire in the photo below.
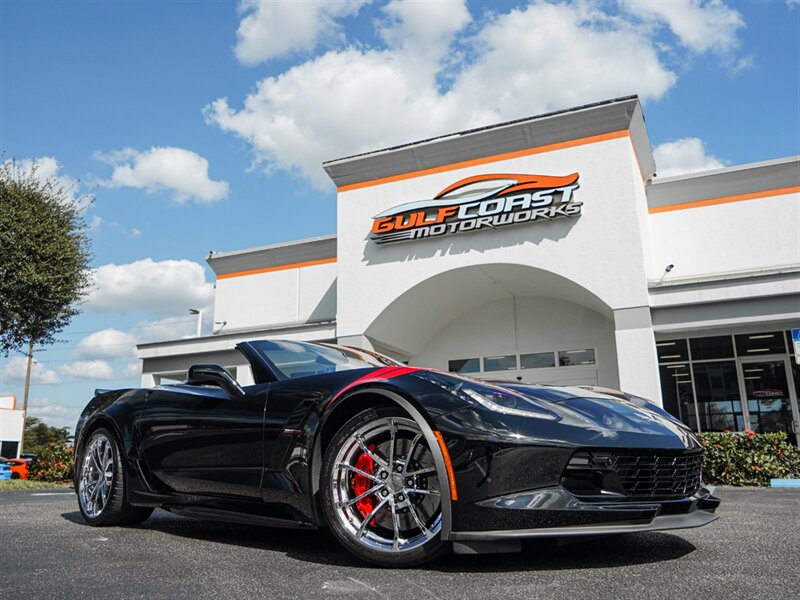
(102, 493)
(381, 493)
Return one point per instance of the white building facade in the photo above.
(543, 250)
(12, 426)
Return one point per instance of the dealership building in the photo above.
(12, 422)
(542, 250)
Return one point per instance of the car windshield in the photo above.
(300, 359)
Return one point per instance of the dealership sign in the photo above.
(479, 202)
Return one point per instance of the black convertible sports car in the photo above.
(401, 463)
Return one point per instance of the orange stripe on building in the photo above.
(487, 159)
(310, 263)
(725, 199)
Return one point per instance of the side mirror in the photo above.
(215, 375)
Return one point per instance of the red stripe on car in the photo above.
(383, 374)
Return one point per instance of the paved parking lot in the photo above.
(753, 551)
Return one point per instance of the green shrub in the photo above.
(748, 458)
(56, 463)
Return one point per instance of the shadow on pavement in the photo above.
(320, 547)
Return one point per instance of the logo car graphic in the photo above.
(480, 201)
(482, 187)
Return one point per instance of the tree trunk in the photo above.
(25, 395)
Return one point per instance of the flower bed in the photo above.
(748, 458)
(56, 463)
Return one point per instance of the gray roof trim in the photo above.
(721, 183)
(669, 285)
(242, 332)
(529, 133)
(274, 255)
(641, 144)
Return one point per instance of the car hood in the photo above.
(611, 416)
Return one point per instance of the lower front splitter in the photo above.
(697, 518)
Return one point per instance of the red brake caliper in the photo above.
(361, 484)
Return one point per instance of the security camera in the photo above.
(669, 268)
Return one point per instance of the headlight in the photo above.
(507, 402)
(490, 397)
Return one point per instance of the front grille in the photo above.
(660, 475)
(635, 474)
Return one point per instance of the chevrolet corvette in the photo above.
(403, 464)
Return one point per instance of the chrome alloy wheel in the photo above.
(97, 475)
(385, 488)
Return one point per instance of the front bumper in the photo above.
(559, 514)
(660, 523)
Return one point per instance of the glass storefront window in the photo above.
(742, 392)
(568, 358)
(768, 399)
(711, 347)
(500, 363)
(464, 365)
(718, 399)
(676, 391)
(790, 343)
(538, 360)
(672, 350)
(753, 344)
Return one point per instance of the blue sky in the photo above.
(199, 126)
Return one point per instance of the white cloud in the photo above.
(701, 25)
(96, 223)
(132, 370)
(13, 371)
(586, 56)
(114, 343)
(88, 369)
(133, 232)
(108, 343)
(424, 31)
(168, 286)
(358, 99)
(685, 155)
(181, 171)
(792, 3)
(47, 168)
(173, 328)
(271, 29)
(54, 413)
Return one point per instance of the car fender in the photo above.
(422, 422)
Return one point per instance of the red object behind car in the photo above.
(19, 467)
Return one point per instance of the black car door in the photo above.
(199, 440)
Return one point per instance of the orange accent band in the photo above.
(451, 476)
(310, 263)
(725, 200)
(488, 159)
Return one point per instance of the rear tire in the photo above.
(380, 490)
(102, 493)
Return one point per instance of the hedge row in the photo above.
(748, 458)
(745, 458)
(56, 463)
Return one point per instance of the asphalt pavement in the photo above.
(752, 551)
